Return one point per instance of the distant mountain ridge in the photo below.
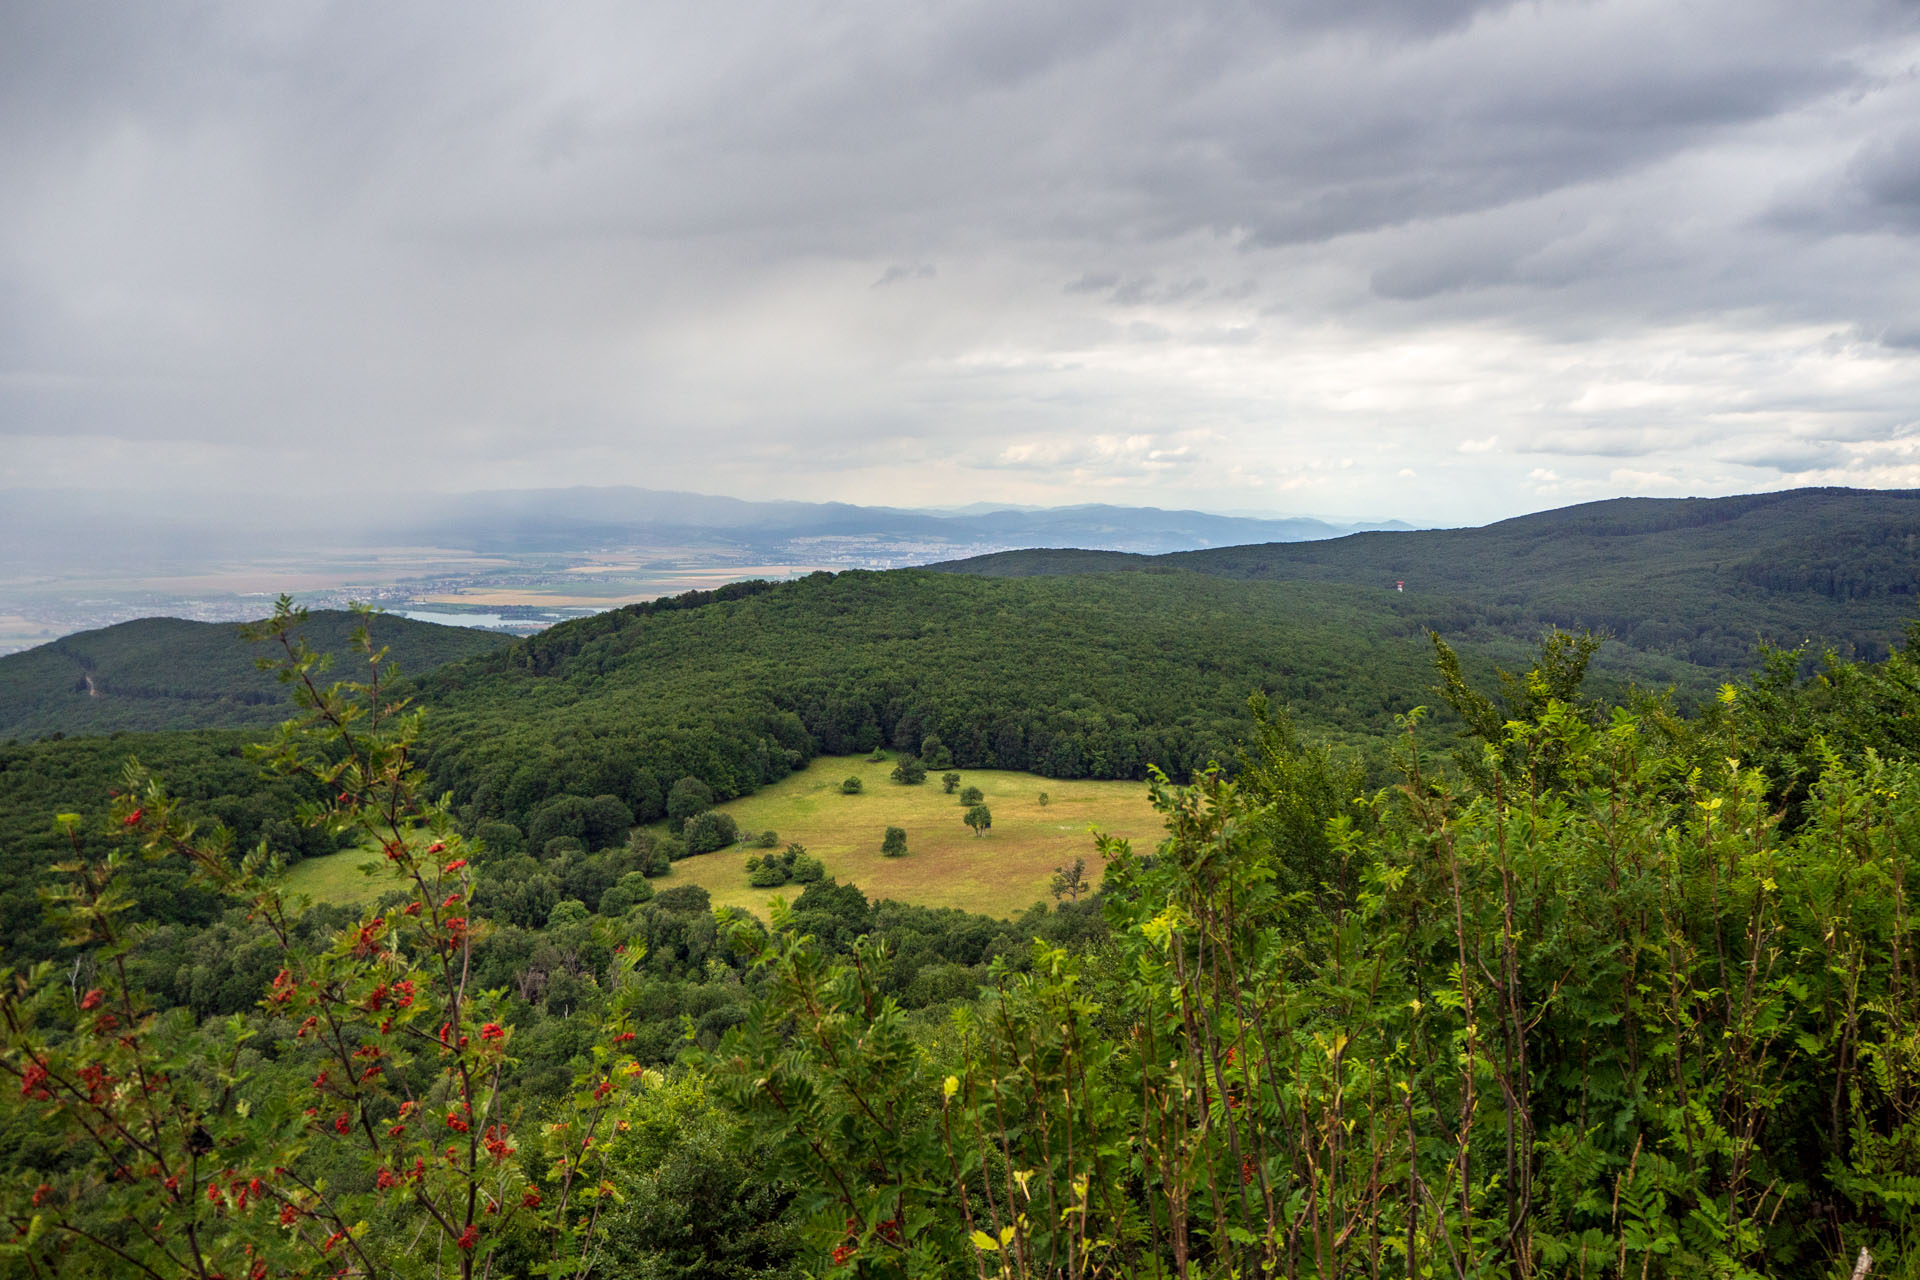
(1705, 579)
(1698, 582)
(168, 673)
(524, 518)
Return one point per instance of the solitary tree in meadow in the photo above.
(894, 845)
(979, 818)
(949, 782)
(1070, 882)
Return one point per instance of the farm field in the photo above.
(999, 874)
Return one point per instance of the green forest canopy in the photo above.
(169, 673)
(1702, 579)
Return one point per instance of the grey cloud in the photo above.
(1602, 440)
(1131, 291)
(1092, 282)
(1426, 274)
(1877, 189)
(898, 272)
(1789, 457)
(599, 235)
(1887, 178)
(1407, 17)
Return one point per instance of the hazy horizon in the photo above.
(73, 560)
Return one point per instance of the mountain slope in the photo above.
(1701, 579)
(1093, 676)
(167, 673)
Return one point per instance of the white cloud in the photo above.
(1632, 480)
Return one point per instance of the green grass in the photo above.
(337, 878)
(998, 874)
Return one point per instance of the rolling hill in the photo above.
(1703, 580)
(166, 673)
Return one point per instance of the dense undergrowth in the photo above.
(1594, 1003)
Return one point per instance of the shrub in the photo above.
(911, 770)
(767, 840)
(711, 830)
(972, 796)
(651, 854)
(894, 843)
(637, 884)
(767, 873)
(777, 868)
(852, 787)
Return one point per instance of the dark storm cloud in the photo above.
(1886, 181)
(696, 244)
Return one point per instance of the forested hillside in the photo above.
(76, 775)
(1082, 678)
(1094, 677)
(168, 673)
(1701, 579)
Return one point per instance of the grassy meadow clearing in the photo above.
(337, 878)
(999, 874)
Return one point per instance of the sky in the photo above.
(1422, 259)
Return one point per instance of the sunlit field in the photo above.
(1001, 873)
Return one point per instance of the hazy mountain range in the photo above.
(527, 519)
(47, 531)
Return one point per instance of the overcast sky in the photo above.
(1426, 259)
